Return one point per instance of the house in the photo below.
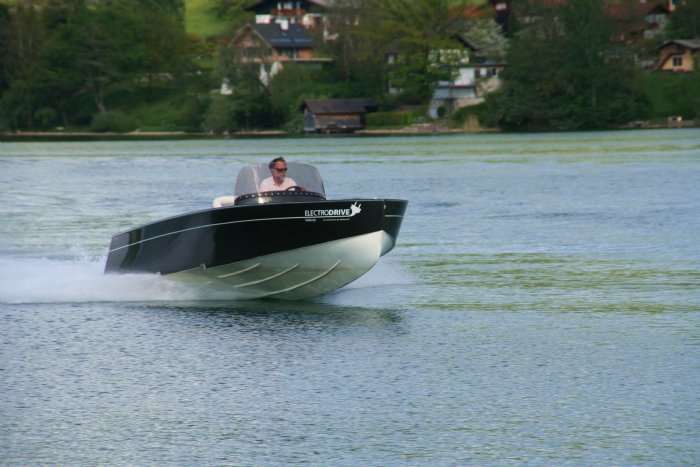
(474, 78)
(679, 55)
(271, 45)
(336, 115)
(499, 10)
(637, 21)
(470, 88)
(474, 74)
(633, 21)
(308, 13)
(280, 35)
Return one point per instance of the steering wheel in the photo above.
(295, 189)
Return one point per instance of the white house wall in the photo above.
(466, 77)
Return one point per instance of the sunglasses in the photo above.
(281, 170)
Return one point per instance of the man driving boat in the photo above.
(279, 180)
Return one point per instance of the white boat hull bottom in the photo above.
(294, 274)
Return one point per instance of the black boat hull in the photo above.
(283, 250)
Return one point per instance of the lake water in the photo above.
(541, 307)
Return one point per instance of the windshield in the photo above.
(304, 175)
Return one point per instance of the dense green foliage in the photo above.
(673, 94)
(685, 22)
(580, 86)
(66, 62)
(121, 65)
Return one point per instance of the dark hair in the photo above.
(275, 160)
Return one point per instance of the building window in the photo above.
(677, 61)
(291, 53)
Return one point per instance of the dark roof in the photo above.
(633, 11)
(294, 37)
(692, 44)
(467, 42)
(340, 106)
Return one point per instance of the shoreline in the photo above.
(413, 130)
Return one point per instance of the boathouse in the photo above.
(336, 115)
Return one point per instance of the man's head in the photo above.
(278, 167)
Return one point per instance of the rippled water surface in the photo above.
(542, 306)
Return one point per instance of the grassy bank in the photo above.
(201, 20)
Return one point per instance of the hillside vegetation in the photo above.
(200, 19)
(157, 65)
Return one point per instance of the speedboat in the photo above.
(292, 244)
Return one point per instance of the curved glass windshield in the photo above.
(305, 176)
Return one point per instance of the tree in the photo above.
(685, 21)
(564, 73)
(487, 35)
(358, 68)
(249, 106)
(173, 9)
(60, 81)
(98, 41)
(415, 29)
(5, 21)
(109, 42)
(23, 40)
(234, 11)
(289, 88)
(159, 44)
(359, 34)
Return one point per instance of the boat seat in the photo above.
(222, 201)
